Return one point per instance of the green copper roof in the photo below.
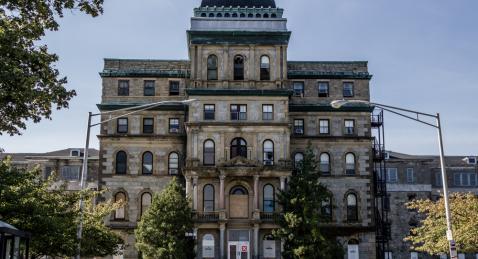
(311, 74)
(328, 108)
(231, 92)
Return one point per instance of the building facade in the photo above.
(235, 146)
(411, 177)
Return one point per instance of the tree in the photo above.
(430, 235)
(51, 215)
(299, 228)
(29, 82)
(161, 233)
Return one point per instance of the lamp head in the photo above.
(337, 104)
(188, 101)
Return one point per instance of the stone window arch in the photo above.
(298, 158)
(120, 213)
(146, 201)
(350, 164)
(268, 152)
(209, 153)
(268, 199)
(208, 198)
(173, 163)
(238, 68)
(147, 163)
(324, 163)
(265, 68)
(121, 163)
(352, 207)
(238, 148)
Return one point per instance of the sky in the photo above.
(423, 56)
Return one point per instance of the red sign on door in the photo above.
(244, 249)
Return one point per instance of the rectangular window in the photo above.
(70, 173)
(173, 88)
(149, 88)
(410, 176)
(348, 89)
(123, 88)
(413, 255)
(349, 127)
(392, 175)
(238, 112)
(461, 256)
(299, 127)
(388, 255)
(464, 179)
(209, 112)
(438, 179)
(122, 125)
(324, 127)
(267, 112)
(323, 89)
(148, 125)
(298, 88)
(174, 125)
(48, 171)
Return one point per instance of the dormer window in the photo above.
(75, 152)
(471, 160)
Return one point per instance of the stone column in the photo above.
(256, 192)
(195, 193)
(188, 185)
(282, 183)
(221, 240)
(256, 241)
(221, 192)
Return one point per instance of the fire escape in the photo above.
(382, 203)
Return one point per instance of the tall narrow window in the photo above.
(268, 150)
(238, 148)
(121, 162)
(173, 163)
(212, 67)
(352, 209)
(268, 202)
(148, 163)
(298, 158)
(298, 88)
(209, 153)
(120, 212)
(392, 175)
(173, 88)
(324, 164)
(208, 198)
(350, 164)
(267, 112)
(123, 88)
(238, 112)
(146, 200)
(324, 127)
(410, 176)
(238, 68)
(149, 88)
(265, 68)
(148, 125)
(209, 112)
(349, 127)
(298, 127)
(323, 89)
(122, 125)
(174, 125)
(326, 208)
(348, 89)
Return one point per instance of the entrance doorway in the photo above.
(238, 250)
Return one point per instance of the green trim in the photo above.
(146, 73)
(362, 63)
(238, 37)
(227, 92)
(311, 74)
(117, 106)
(328, 108)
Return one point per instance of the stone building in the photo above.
(236, 145)
(412, 177)
(66, 164)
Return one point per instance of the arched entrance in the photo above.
(239, 203)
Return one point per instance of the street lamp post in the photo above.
(84, 172)
(398, 111)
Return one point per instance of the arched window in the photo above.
(273, 15)
(250, 15)
(258, 15)
(208, 245)
(203, 15)
(219, 15)
(173, 163)
(268, 199)
(265, 68)
(211, 15)
(326, 208)
(227, 15)
(266, 15)
(352, 209)
(120, 212)
(212, 67)
(146, 200)
(350, 164)
(238, 190)
(324, 164)
(209, 153)
(242, 15)
(208, 198)
(298, 158)
(121, 162)
(148, 163)
(238, 148)
(268, 151)
(234, 15)
(238, 67)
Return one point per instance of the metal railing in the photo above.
(206, 216)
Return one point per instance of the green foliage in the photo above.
(301, 201)
(29, 82)
(430, 236)
(51, 215)
(161, 233)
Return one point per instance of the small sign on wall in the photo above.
(269, 249)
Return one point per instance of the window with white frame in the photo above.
(392, 175)
(323, 89)
(410, 176)
(348, 89)
(324, 127)
(267, 112)
(174, 125)
(349, 127)
(462, 179)
(70, 173)
(298, 127)
(388, 255)
(298, 88)
(238, 112)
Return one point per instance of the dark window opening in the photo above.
(238, 112)
(299, 127)
(122, 125)
(323, 89)
(149, 88)
(148, 125)
(238, 148)
(239, 68)
(174, 126)
(123, 88)
(121, 162)
(173, 88)
(265, 68)
(212, 68)
(209, 111)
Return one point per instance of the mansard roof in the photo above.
(240, 3)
